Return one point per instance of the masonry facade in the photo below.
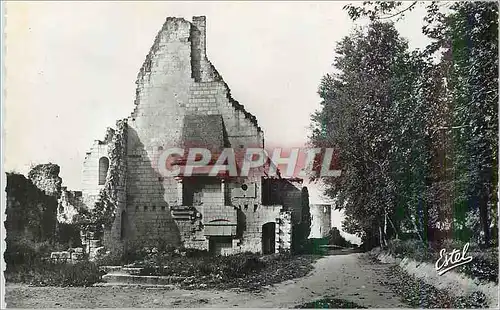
(182, 101)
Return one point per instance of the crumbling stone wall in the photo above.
(69, 204)
(46, 178)
(104, 215)
(90, 174)
(116, 187)
(40, 209)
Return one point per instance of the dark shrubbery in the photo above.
(335, 238)
(200, 270)
(54, 274)
(23, 251)
(199, 263)
(69, 235)
(29, 210)
(28, 262)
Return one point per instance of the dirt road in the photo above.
(350, 277)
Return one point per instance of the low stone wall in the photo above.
(72, 256)
(455, 283)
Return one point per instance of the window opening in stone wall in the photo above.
(103, 170)
(193, 188)
(219, 245)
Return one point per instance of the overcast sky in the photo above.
(71, 68)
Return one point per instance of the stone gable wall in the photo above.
(177, 79)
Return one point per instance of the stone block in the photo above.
(77, 256)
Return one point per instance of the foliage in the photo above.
(416, 131)
(27, 262)
(68, 234)
(21, 250)
(54, 274)
(335, 238)
(200, 270)
(354, 120)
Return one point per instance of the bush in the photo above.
(228, 267)
(69, 235)
(411, 248)
(335, 238)
(236, 266)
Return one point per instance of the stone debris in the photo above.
(72, 255)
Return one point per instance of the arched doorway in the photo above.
(269, 238)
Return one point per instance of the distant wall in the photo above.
(321, 220)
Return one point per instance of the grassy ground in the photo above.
(418, 294)
(244, 271)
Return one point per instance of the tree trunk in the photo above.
(380, 236)
(385, 222)
(483, 213)
(393, 227)
(416, 229)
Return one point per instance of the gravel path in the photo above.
(351, 277)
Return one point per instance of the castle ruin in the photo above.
(182, 101)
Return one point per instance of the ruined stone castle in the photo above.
(181, 100)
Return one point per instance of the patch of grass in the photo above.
(418, 294)
(330, 303)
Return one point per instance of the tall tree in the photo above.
(355, 120)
